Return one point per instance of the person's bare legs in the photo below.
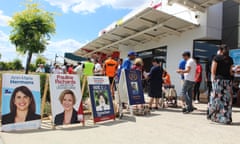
(150, 102)
(157, 102)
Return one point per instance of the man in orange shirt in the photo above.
(110, 70)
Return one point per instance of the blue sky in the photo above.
(77, 22)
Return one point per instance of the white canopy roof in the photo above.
(199, 5)
(146, 25)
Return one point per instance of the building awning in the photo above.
(199, 5)
(148, 24)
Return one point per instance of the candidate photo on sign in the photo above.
(67, 99)
(134, 86)
(22, 107)
(101, 102)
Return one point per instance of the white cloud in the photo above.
(89, 6)
(7, 50)
(4, 19)
(61, 47)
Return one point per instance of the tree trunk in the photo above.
(28, 62)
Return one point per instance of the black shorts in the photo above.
(111, 80)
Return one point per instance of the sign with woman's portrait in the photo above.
(66, 99)
(21, 102)
(101, 98)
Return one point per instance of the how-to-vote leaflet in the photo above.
(101, 98)
(130, 87)
(66, 99)
(21, 102)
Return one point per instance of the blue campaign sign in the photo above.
(134, 86)
(101, 98)
(235, 54)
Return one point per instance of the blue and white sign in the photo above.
(101, 98)
(21, 102)
(131, 85)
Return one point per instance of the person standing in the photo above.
(155, 83)
(198, 80)
(98, 68)
(128, 63)
(70, 69)
(181, 66)
(110, 70)
(189, 81)
(88, 68)
(40, 69)
(57, 70)
(78, 69)
(221, 103)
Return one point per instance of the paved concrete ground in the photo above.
(168, 126)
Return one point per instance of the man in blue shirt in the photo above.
(182, 67)
(128, 62)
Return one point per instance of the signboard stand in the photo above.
(101, 98)
(23, 93)
(130, 89)
(44, 95)
(66, 99)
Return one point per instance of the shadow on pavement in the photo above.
(150, 115)
(124, 119)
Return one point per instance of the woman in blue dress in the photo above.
(155, 83)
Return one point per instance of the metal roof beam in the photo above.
(106, 40)
(171, 30)
(148, 23)
(130, 37)
(130, 29)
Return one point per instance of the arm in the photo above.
(214, 69)
(231, 70)
(187, 70)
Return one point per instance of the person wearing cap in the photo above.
(189, 81)
(128, 63)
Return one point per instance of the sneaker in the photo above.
(196, 102)
(184, 110)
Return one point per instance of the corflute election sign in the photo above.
(66, 99)
(101, 99)
(21, 102)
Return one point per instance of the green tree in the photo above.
(17, 64)
(32, 28)
(40, 60)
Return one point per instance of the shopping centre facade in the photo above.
(165, 28)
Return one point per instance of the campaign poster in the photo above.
(66, 97)
(21, 102)
(101, 98)
(235, 54)
(134, 87)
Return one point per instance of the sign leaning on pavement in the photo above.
(21, 102)
(66, 99)
(101, 98)
(130, 87)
